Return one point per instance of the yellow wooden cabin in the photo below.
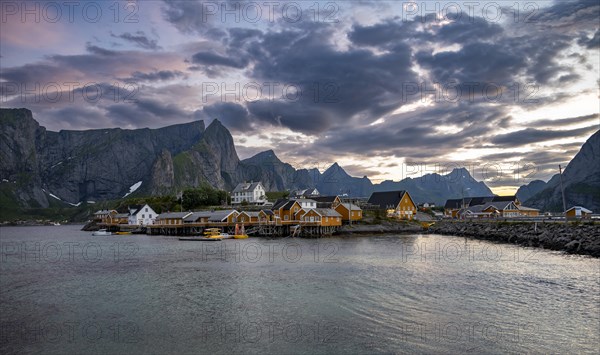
(172, 218)
(578, 212)
(266, 216)
(327, 201)
(248, 217)
(349, 212)
(398, 204)
(323, 217)
(286, 211)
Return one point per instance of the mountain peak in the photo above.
(215, 124)
(265, 156)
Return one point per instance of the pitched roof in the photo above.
(510, 198)
(328, 199)
(218, 216)
(327, 212)
(268, 212)
(386, 199)
(195, 216)
(122, 215)
(288, 205)
(279, 203)
(104, 211)
(457, 203)
(499, 205)
(246, 186)
(349, 206)
(583, 209)
(475, 209)
(300, 200)
(135, 208)
(173, 215)
(250, 213)
(523, 208)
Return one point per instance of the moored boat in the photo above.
(101, 232)
(240, 233)
(123, 233)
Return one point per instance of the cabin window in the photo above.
(287, 217)
(143, 215)
(326, 219)
(146, 209)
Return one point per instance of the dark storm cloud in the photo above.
(568, 121)
(414, 134)
(161, 75)
(569, 15)
(147, 113)
(337, 87)
(384, 33)
(75, 117)
(139, 39)
(233, 116)
(590, 43)
(210, 58)
(187, 16)
(533, 135)
(99, 50)
(467, 29)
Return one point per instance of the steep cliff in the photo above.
(77, 166)
(581, 180)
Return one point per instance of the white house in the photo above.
(306, 193)
(141, 215)
(306, 203)
(252, 192)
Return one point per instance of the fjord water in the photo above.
(64, 291)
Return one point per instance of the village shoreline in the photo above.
(573, 238)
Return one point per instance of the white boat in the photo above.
(101, 232)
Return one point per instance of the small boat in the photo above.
(216, 233)
(210, 235)
(240, 233)
(426, 225)
(101, 232)
(123, 233)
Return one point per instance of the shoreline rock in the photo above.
(386, 228)
(573, 238)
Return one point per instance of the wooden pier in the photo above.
(268, 229)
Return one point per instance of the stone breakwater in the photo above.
(383, 228)
(582, 238)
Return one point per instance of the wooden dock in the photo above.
(268, 229)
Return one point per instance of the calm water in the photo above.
(64, 291)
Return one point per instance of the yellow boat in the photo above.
(426, 225)
(123, 233)
(240, 233)
(214, 233)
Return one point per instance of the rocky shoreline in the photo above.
(383, 228)
(573, 238)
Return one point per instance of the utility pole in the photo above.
(350, 214)
(562, 189)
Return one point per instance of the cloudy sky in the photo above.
(387, 89)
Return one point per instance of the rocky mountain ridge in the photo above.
(38, 166)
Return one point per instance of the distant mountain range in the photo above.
(39, 166)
